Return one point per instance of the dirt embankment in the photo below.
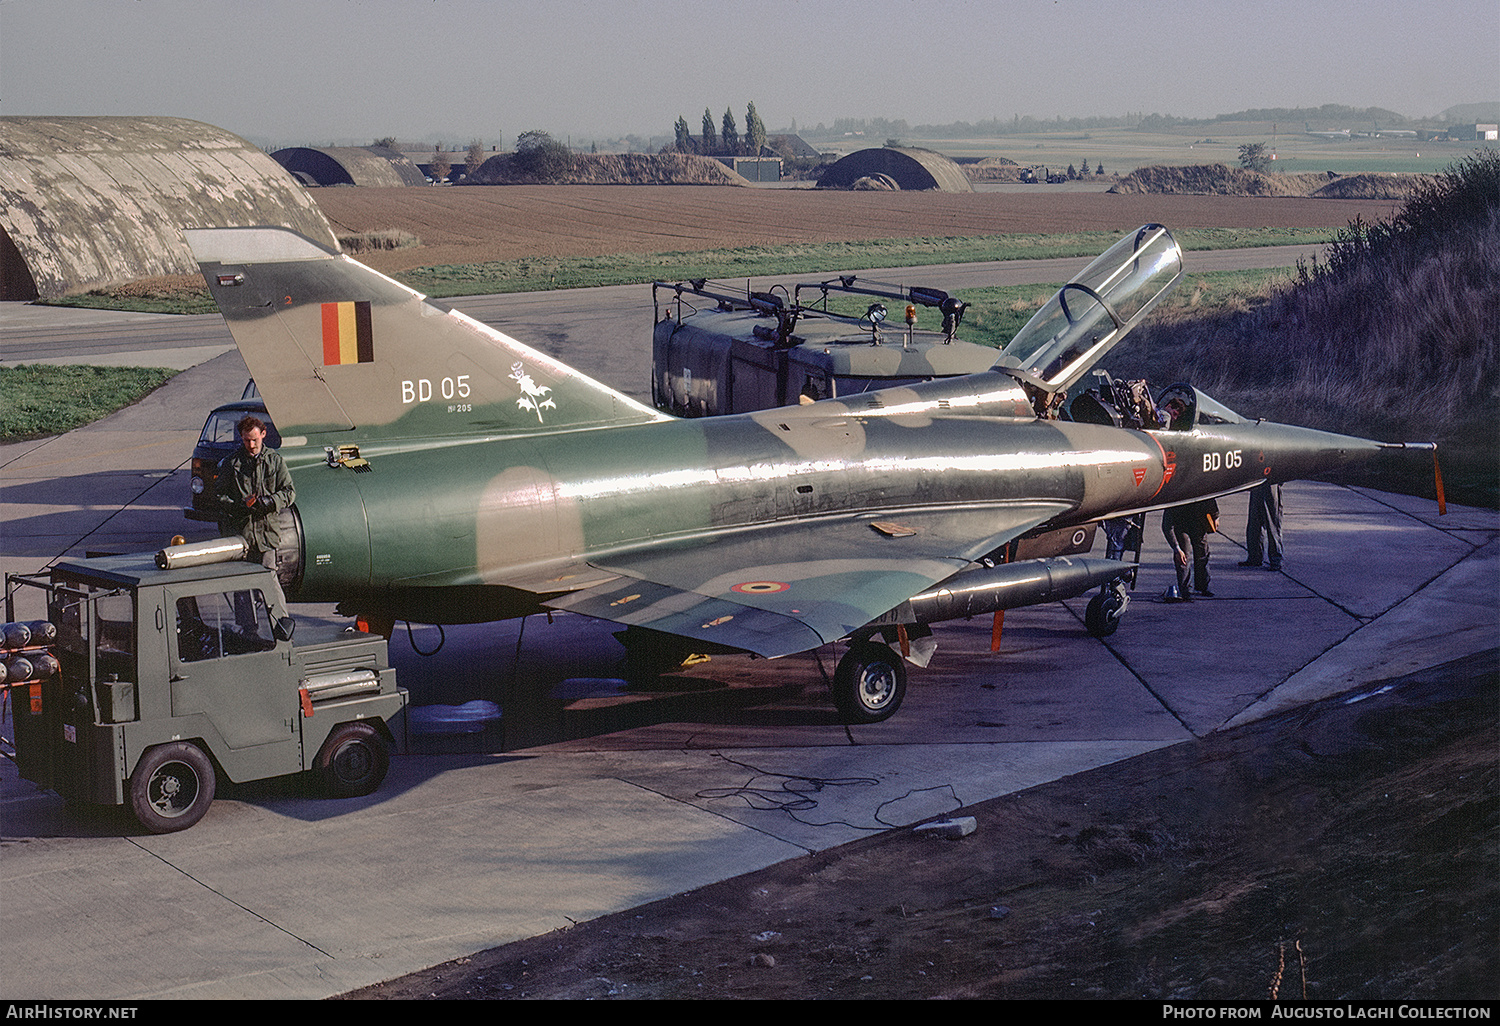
(1223, 180)
(1371, 186)
(616, 169)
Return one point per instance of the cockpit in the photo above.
(1131, 404)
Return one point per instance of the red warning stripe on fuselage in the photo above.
(347, 336)
(1168, 465)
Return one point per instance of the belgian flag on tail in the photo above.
(346, 334)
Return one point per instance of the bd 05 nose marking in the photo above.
(1222, 461)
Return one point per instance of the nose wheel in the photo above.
(869, 683)
(1106, 609)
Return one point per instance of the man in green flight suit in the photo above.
(254, 487)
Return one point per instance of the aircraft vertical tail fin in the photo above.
(340, 351)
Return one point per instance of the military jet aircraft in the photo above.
(447, 473)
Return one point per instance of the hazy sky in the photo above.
(290, 72)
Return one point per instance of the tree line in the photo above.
(1022, 124)
(442, 166)
(723, 139)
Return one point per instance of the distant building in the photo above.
(792, 146)
(374, 166)
(1472, 133)
(754, 169)
(91, 202)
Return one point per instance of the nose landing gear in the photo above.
(1106, 609)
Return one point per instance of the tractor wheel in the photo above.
(172, 787)
(353, 761)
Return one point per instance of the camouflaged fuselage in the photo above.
(446, 472)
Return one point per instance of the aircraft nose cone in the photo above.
(1302, 452)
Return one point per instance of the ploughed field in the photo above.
(472, 224)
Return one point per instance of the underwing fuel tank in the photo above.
(989, 589)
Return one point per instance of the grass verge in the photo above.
(185, 302)
(995, 314)
(41, 400)
(538, 274)
(187, 295)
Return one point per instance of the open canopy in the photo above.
(1096, 309)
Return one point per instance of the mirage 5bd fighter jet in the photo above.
(447, 473)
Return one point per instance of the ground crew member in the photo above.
(1263, 525)
(254, 487)
(1122, 535)
(1187, 528)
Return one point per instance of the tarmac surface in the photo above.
(586, 796)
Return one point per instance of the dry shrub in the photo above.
(1409, 344)
(1397, 334)
(373, 242)
(1427, 320)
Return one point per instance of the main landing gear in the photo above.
(869, 683)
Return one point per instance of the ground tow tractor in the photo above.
(155, 676)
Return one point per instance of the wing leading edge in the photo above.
(795, 587)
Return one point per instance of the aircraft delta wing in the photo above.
(786, 588)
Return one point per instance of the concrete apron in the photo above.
(596, 797)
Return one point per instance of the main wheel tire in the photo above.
(172, 787)
(869, 684)
(353, 761)
(1103, 615)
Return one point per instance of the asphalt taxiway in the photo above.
(587, 796)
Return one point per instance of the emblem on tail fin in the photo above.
(347, 334)
(534, 395)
